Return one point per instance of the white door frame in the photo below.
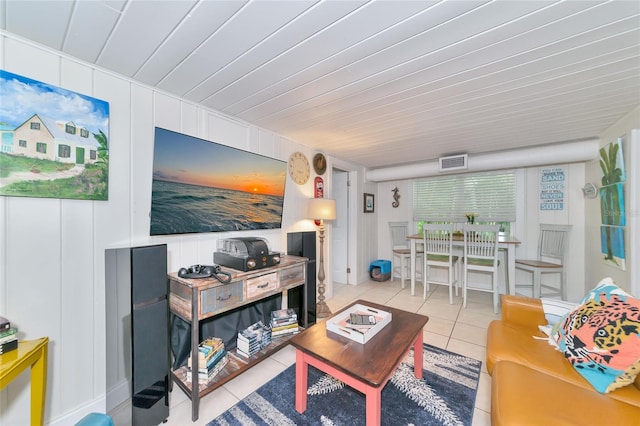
(352, 237)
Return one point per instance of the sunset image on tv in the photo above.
(203, 186)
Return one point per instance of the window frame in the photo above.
(64, 149)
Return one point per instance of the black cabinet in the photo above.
(303, 244)
(138, 353)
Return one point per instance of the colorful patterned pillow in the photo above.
(601, 337)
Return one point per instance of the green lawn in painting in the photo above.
(89, 184)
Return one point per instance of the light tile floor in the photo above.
(452, 327)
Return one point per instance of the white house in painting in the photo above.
(47, 139)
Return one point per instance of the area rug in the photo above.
(445, 396)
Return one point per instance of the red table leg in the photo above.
(417, 356)
(373, 402)
(373, 395)
(302, 369)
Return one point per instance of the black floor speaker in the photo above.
(303, 244)
(138, 349)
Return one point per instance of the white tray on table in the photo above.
(339, 323)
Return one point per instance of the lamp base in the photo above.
(322, 310)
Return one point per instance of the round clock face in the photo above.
(299, 168)
(319, 163)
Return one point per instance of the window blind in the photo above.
(492, 197)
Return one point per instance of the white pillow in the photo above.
(555, 309)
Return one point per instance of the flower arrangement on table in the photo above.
(471, 218)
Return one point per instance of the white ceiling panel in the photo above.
(262, 55)
(377, 83)
(386, 63)
(137, 34)
(42, 21)
(89, 29)
(359, 25)
(475, 64)
(202, 21)
(250, 26)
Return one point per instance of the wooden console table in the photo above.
(195, 300)
(30, 353)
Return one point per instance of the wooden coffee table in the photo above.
(365, 367)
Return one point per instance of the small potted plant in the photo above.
(471, 218)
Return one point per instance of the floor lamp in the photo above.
(321, 209)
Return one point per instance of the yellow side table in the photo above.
(30, 353)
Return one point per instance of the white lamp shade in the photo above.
(321, 209)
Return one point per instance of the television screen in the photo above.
(203, 186)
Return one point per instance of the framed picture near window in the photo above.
(369, 203)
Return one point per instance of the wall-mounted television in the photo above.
(203, 186)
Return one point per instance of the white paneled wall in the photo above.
(629, 279)
(52, 251)
(530, 218)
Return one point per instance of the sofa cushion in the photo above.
(509, 342)
(601, 337)
(522, 345)
(524, 396)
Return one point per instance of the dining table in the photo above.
(506, 243)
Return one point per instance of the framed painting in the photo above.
(612, 163)
(54, 142)
(369, 203)
(612, 210)
(612, 246)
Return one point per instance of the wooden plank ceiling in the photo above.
(377, 83)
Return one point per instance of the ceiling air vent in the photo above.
(454, 162)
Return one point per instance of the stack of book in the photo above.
(8, 336)
(253, 338)
(284, 322)
(212, 358)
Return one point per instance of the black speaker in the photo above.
(149, 335)
(138, 351)
(303, 244)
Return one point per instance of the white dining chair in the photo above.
(401, 251)
(438, 253)
(553, 243)
(481, 255)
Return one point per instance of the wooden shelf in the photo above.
(196, 300)
(236, 366)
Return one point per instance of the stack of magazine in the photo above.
(212, 358)
(284, 322)
(253, 338)
(8, 336)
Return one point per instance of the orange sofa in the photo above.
(533, 384)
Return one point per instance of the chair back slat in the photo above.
(481, 255)
(481, 241)
(399, 234)
(553, 241)
(437, 238)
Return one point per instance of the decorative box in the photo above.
(340, 323)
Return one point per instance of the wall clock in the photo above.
(299, 168)
(319, 163)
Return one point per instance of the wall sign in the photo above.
(552, 181)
